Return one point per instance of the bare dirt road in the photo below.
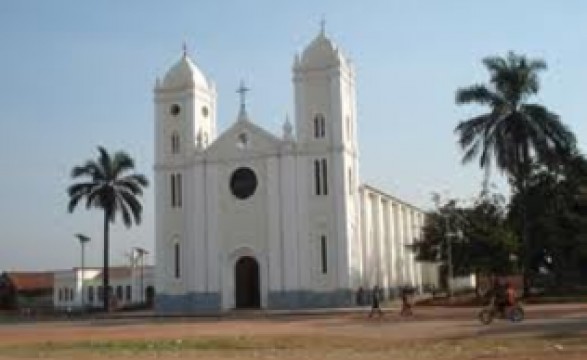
(549, 333)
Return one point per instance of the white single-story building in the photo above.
(75, 288)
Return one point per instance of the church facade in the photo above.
(249, 219)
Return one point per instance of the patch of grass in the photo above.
(307, 344)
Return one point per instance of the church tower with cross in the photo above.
(249, 219)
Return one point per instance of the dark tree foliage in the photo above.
(556, 203)
(481, 240)
(515, 133)
(108, 186)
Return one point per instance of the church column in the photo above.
(290, 226)
(370, 263)
(383, 280)
(392, 249)
(420, 235)
(363, 236)
(275, 260)
(339, 227)
(409, 240)
(304, 174)
(212, 258)
(199, 226)
(402, 242)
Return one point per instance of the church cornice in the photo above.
(291, 150)
(394, 200)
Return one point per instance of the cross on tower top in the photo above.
(184, 47)
(242, 90)
(323, 25)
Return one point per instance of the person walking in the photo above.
(375, 306)
(406, 303)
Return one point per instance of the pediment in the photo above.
(243, 139)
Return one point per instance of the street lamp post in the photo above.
(448, 236)
(140, 255)
(83, 239)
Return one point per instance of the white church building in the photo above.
(250, 219)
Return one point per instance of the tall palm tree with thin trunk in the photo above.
(108, 185)
(515, 133)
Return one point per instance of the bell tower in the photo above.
(325, 117)
(185, 112)
(185, 124)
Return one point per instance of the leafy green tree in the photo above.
(557, 221)
(478, 237)
(515, 133)
(108, 186)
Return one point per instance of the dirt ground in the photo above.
(431, 334)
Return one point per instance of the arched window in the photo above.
(175, 143)
(319, 126)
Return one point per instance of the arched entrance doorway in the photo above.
(246, 283)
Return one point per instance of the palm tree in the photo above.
(109, 187)
(514, 133)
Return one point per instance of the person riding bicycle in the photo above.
(510, 294)
(499, 296)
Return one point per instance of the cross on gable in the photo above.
(242, 90)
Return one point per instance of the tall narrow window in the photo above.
(172, 182)
(317, 181)
(178, 189)
(128, 293)
(316, 127)
(91, 294)
(324, 254)
(320, 177)
(176, 255)
(175, 143)
(319, 126)
(324, 178)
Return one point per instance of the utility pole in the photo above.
(83, 239)
(449, 250)
(140, 255)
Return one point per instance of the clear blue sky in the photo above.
(75, 74)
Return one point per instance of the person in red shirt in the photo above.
(511, 294)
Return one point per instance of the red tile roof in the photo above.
(27, 281)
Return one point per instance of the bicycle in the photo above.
(514, 313)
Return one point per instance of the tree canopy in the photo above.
(109, 186)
